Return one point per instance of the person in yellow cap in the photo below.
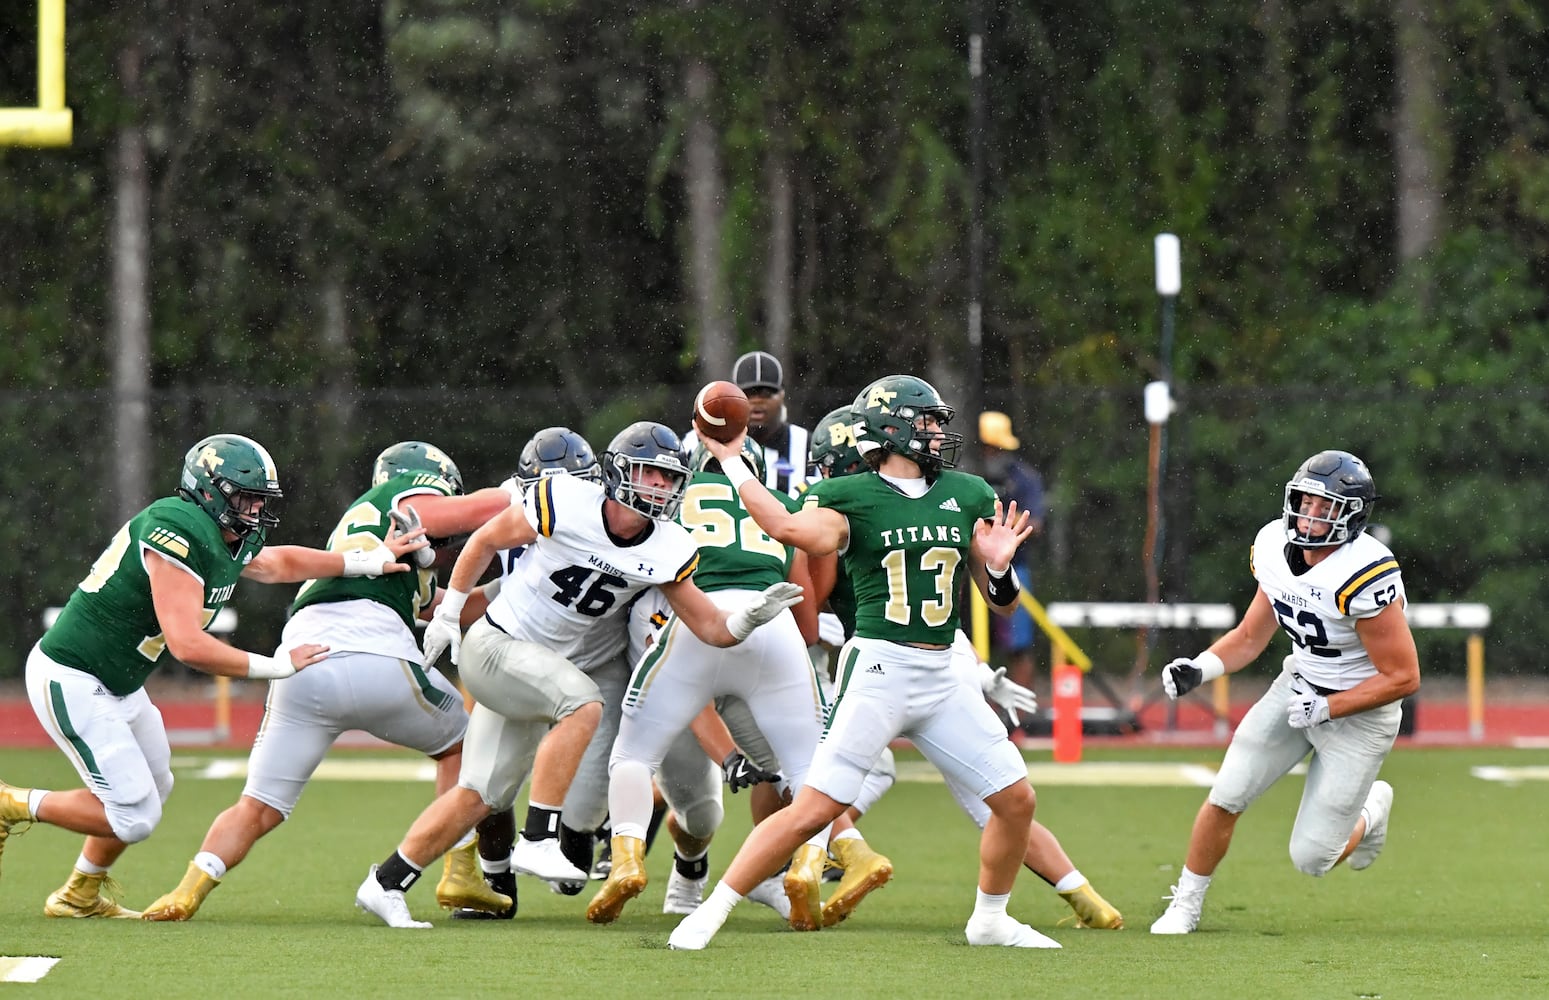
(1013, 479)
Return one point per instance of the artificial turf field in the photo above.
(1455, 906)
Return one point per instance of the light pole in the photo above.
(1158, 407)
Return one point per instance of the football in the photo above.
(720, 411)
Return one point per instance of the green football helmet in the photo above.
(888, 412)
(833, 452)
(233, 479)
(415, 456)
(701, 460)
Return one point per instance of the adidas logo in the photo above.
(950, 503)
(100, 690)
(875, 668)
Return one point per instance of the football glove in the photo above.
(742, 773)
(445, 630)
(775, 599)
(1180, 677)
(1008, 694)
(1305, 708)
(406, 521)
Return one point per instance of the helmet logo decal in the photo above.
(210, 460)
(879, 398)
(841, 434)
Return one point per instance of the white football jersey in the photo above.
(1318, 608)
(566, 591)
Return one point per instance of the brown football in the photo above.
(720, 411)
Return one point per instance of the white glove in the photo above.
(1306, 708)
(1184, 674)
(368, 562)
(406, 521)
(830, 629)
(1008, 694)
(445, 630)
(775, 599)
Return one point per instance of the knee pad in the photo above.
(1314, 859)
(134, 822)
(702, 818)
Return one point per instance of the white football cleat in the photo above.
(1004, 931)
(1379, 804)
(1182, 914)
(695, 931)
(683, 894)
(771, 893)
(544, 859)
(387, 905)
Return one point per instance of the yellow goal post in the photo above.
(49, 123)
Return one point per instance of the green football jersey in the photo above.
(734, 552)
(906, 557)
(109, 627)
(365, 524)
(841, 600)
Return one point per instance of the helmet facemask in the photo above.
(659, 503)
(1341, 479)
(248, 510)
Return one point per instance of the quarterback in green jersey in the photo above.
(907, 532)
(374, 679)
(148, 598)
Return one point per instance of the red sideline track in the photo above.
(190, 722)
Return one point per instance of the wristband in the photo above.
(268, 668)
(1210, 666)
(737, 471)
(1004, 587)
(367, 562)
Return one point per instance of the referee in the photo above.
(761, 376)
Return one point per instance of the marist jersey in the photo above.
(734, 552)
(368, 614)
(1319, 607)
(577, 574)
(906, 556)
(109, 627)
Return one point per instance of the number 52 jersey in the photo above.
(578, 573)
(1319, 607)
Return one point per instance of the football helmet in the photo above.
(556, 450)
(700, 460)
(833, 452)
(233, 479)
(1346, 483)
(888, 412)
(640, 445)
(415, 456)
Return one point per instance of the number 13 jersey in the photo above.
(1318, 607)
(578, 573)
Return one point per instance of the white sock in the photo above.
(35, 799)
(463, 841)
(629, 798)
(1074, 880)
(1189, 880)
(498, 867)
(86, 867)
(990, 905)
(851, 834)
(210, 865)
(721, 900)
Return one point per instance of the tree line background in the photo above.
(336, 225)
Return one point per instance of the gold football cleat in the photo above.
(1092, 910)
(82, 896)
(626, 880)
(13, 811)
(184, 901)
(802, 883)
(864, 871)
(462, 885)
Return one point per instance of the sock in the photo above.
(1073, 881)
(542, 822)
(1189, 880)
(499, 867)
(463, 841)
(86, 867)
(851, 834)
(721, 900)
(692, 869)
(210, 865)
(397, 872)
(658, 813)
(990, 905)
(578, 846)
(35, 799)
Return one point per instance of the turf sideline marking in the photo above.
(1109, 773)
(1509, 775)
(25, 968)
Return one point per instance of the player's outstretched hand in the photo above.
(997, 538)
(742, 773)
(775, 599)
(407, 523)
(1006, 693)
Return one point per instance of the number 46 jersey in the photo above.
(577, 573)
(1318, 608)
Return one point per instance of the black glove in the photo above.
(742, 773)
(1180, 677)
